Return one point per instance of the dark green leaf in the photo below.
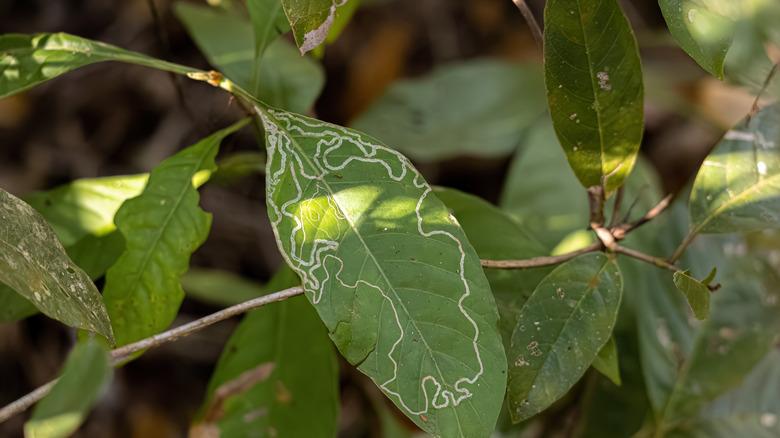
(239, 165)
(561, 329)
(268, 22)
(219, 287)
(477, 107)
(278, 75)
(738, 186)
(696, 292)
(84, 377)
(606, 362)
(541, 191)
(594, 88)
(13, 306)
(300, 396)
(96, 254)
(162, 227)
(703, 28)
(34, 263)
(389, 270)
(28, 60)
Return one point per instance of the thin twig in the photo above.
(528, 15)
(683, 246)
(538, 262)
(657, 261)
(622, 230)
(755, 108)
(617, 206)
(126, 351)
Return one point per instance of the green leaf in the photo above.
(562, 327)
(311, 20)
(220, 287)
(477, 107)
(541, 191)
(29, 60)
(496, 236)
(703, 28)
(277, 75)
(268, 22)
(96, 254)
(239, 165)
(738, 186)
(34, 263)
(84, 378)
(696, 292)
(594, 88)
(752, 410)
(86, 206)
(300, 397)
(688, 363)
(13, 306)
(389, 270)
(162, 227)
(606, 362)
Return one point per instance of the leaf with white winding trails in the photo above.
(389, 271)
(29, 60)
(34, 263)
(738, 185)
(162, 227)
(561, 329)
(594, 88)
(311, 20)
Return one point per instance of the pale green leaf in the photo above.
(561, 329)
(688, 363)
(277, 75)
(752, 410)
(219, 287)
(496, 236)
(84, 377)
(606, 362)
(300, 397)
(34, 263)
(86, 206)
(738, 186)
(311, 20)
(268, 22)
(477, 107)
(703, 28)
(28, 60)
(594, 88)
(162, 227)
(389, 270)
(696, 292)
(541, 191)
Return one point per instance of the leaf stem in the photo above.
(533, 25)
(121, 353)
(657, 261)
(537, 262)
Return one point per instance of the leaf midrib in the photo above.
(362, 241)
(733, 200)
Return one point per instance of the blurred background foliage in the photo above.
(455, 85)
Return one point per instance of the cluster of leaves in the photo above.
(392, 268)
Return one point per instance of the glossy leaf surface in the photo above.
(162, 227)
(561, 329)
(34, 263)
(389, 270)
(594, 88)
(28, 60)
(738, 185)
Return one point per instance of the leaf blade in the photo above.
(697, 294)
(594, 88)
(34, 263)
(566, 322)
(420, 311)
(162, 227)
